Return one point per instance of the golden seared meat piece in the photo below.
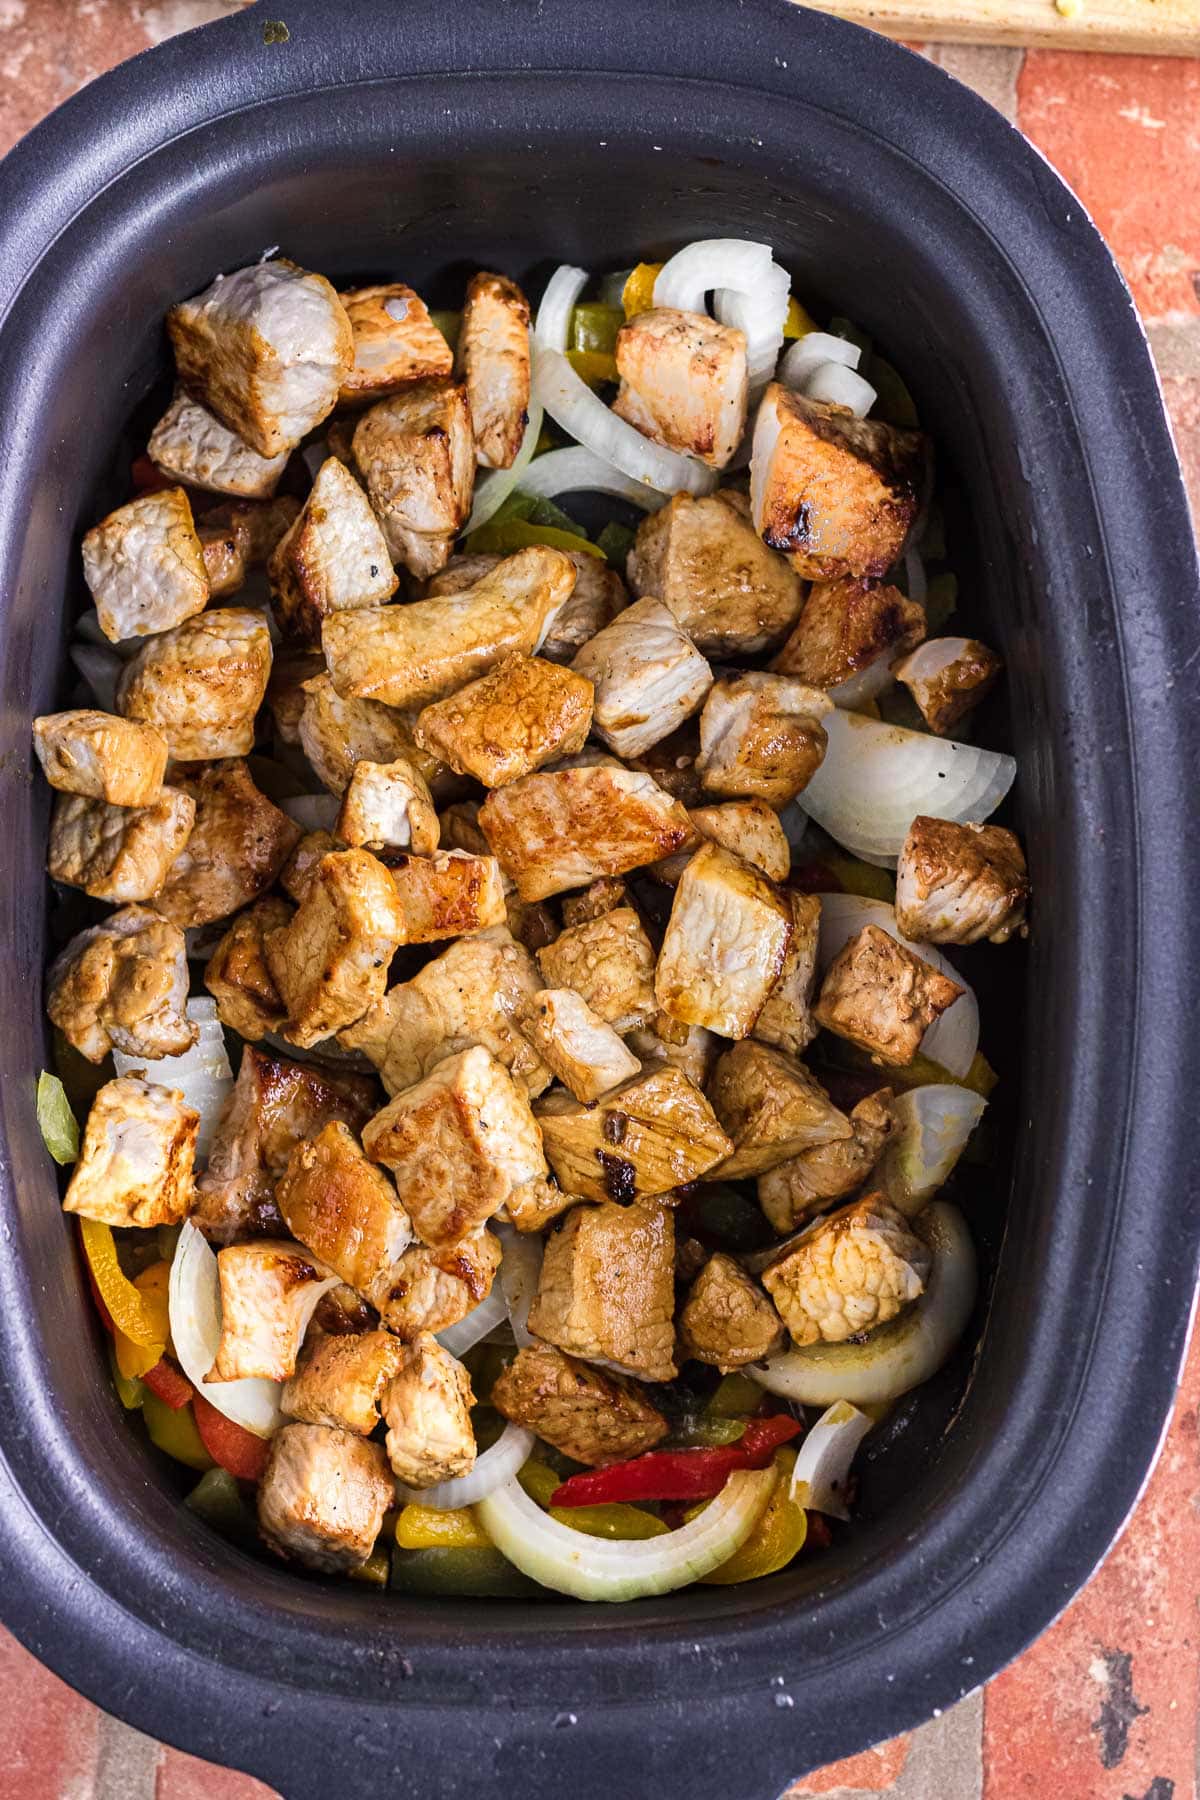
(388, 806)
(792, 1190)
(786, 1020)
(331, 962)
(956, 884)
(236, 848)
(416, 454)
(725, 946)
(201, 685)
(337, 734)
(447, 895)
(609, 961)
(603, 896)
(144, 565)
(224, 553)
(344, 1210)
(427, 1406)
(428, 1290)
(761, 736)
(607, 1288)
(687, 1047)
(296, 875)
(838, 494)
(322, 1497)
(122, 985)
(750, 828)
(493, 361)
(846, 626)
(853, 1270)
(266, 349)
(257, 524)
(882, 997)
(648, 676)
(100, 756)
(290, 671)
(118, 853)
(396, 343)
(532, 1206)
(339, 1381)
(237, 976)
(584, 1053)
(726, 1319)
(731, 593)
(269, 1292)
(591, 1417)
(191, 445)
(333, 558)
(654, 1133)
(596, 599)
(947, 677)
(135, 1167)
(683, 382)
(525, 712)
(771, 1107)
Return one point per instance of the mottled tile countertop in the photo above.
(1104, 1706)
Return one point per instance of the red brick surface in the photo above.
(48, 1735)
(185, 1778)
(868, 1773)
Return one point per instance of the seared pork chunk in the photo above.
(388, 806)
(761, 736)
(266, 349)
(135, 1167)
(532, 1206)
(683, 382)
(346, 1211)
(236, 847)
(296, 875)
(417, 456)
(458, 1143)
(882, 997)
(257, 524)
(786, 1019)
(145, 567)
(428, 1290)
(427, 1406)
(190, 444)
(609, 961)
(584, 1053)
(847, 626)
(603, 896)
(269, 1292)
(291, 670)
(118, 853)
(648, 677)
(201, 684)
(727, 1319)
(596, 599)
(771, 1107)
(607, 1288)
(101, 757)
(332, 559)
(447, 895)
(947, 677)
(122, 985)
(493, 360)
(689, 1048)
(525, 712)
(654, 1133)
(331, 963)
(275, 1105)
(339, 1381)
(725, 945)
(336, 734)
(838, 494)
(704, 560)
(788, 1192)
(561, 828)
(589, 1416)
(410, 655)
(322, 1497)
(750, 828)
(851, 1271)
(396, 343)
(224, 559)
(956, 884)
(237, 976)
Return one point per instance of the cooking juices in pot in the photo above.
(570, 904)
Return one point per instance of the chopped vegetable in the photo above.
(941, 599)
(593, 366)
(230, 1445)
(615, 541)
(195, 1306)
(173, 1430)
(734, 1396)
(217, 1499)
(894, 405)
(449, 323)
(581, 413)
(779, 1535)
(422, 1527)
(56, 1122)
(516, 534)
(934, 1124)
(857, 877)
(679, 1474)
(376, 1571)
(136, 1315)
(577, 471)
(613, 1521)
(700, 1429)
(165, 1381)
(130, 1392)
(798, 323)
(637, 296)
(843, 328)
(479, 1574)
(821, 1469)
(497, 1464)
(594, 327)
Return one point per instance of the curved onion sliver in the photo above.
(467, 1331)
(823, 1459)
(520, 1269)
(498, 1464)
(194, 1304)
(934, 1125)
(576, 470)
(202, 1074)
(572, 404)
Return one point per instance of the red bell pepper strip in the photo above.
(165, 1380)
(679, 1474)
(229, 1444)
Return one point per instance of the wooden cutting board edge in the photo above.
(1146, 27)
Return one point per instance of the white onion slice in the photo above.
(794, 820)
(493, 486)
(934, 1125)
(687, 278)
(195, 1312)
(202, 1074)
(576, 470)
(460, 1337)
(101, 670)
(836, 385)
(809, 352)
(622, 1569)
(865, 685)
(823, 1459)
(498, 1464)
(876, 778)
(953, 1038)
(520, 1271)
(553, 320)
(572, 404)
(760, 315)
(312, 812)
(897, 1356)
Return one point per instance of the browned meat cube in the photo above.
(237, 975)
(704, 560)
(460, 829)
(122, 985)
(761, 736)
(345, 1210)
(838, 494)
(428, 1290)
(427, 1406)
(648, 676)
(493, 360)
(786, 1020)
(330, 964)
(332, 559)
(654, 1133)
(145, 567)
(610, 962)
(396, 343)
(322, 1497)
(296, 875)
(947, 677)
(275, 1105)
(598, 596)
(584, 1053)
(458, 1143)
(135, 1167)
(771, 1107)
(118, 853)
(339, 1381)
(590, 1417)
(683, 382)
(561, 828)
(750, 828)
(448, 894)
(290, 671)
(956, 884)
(725, 945)
(533, 1206)
(805, 1184)
(687, 1047)
(202, 684)
(851, 1271)
(727, 1319)
(603, 896)
(525, 712)
(269, 1292)
(417, 457)
(388, 806)
(224, 559)
(882, 997)
(257, 524)
(672, 763)
(101, 757)
(846, 626)
(337, 734)
(236, 848)
(191, 445)
(607, 1288)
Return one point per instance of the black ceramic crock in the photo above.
(422, 140)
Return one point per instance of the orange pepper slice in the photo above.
(139, 1316)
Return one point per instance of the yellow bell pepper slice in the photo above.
(173, 1429)
(137, 1315)
(637, 296)
(593, 366)
(135, 1359)
(375, 1571)
(778, 1536)
(798, 323)
(425, 1528)
(615, 1519)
